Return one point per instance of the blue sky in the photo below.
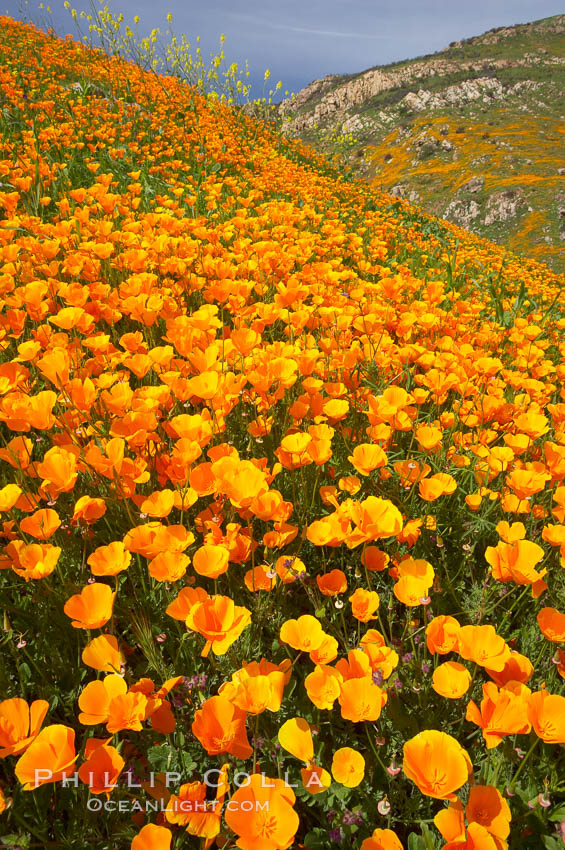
(302, 40)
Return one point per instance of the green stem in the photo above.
(521, 766)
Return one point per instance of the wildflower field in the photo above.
(281, 481)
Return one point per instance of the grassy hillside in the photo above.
(281, 483)
(489, 108)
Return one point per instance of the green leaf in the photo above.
(416, 842)
(317, 839)
(558, 813)
(551, 843)
(158, 757)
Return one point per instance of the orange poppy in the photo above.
(518, 668)
(88, 510)
(325, 652)
(289, 569)
(552, 624)
(441, 634)
(168, 566)
(482, 645)
(348, 767)
(451, 680)
(503, 712)
(487, 807)
(332, 583)
(374, 559)
(42, 524)
(102, 653)
(220, 621)
(9, 495)
(262, 814)
(34, 561)
(296, 738)
(180, 607)
(94, 700)
(304, 634)
(20, 724)
(437, 763)
(546, 713)
(323, 686)
(49, 757)
(259, 578)
(382, 839)
(361, 700)
(211, 561)
(366, 457)
(101, 769)
(92, 607)
(152, 837)
(364, 604)
(109, 560)
(220, 727)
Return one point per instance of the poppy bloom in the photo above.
(220, 727)
(437, 763)
(58, 471)
(180, 607)
(48, 758)
(220, 621)
(258, 686)
(518, 668)
(323, 686)
(168, 566)
(102, 653)
(374, 559)
(552, 624)
(211, 561)
(361, 700)
(9, 495)
(315, 779)
(88, 510)
(326, 652)
(296, 738)
(503, 712)
(289, 569)
(20, 724)
(348, 767)
(109, 560)
(152, 837)
(262, 814)
(482, 645)
(259, 578)
(441, 634)
(451, 680)
(191, 809)
(94, 701)
(375, 519)
(546, 713)
(42, 524)
(366, 457)
(382, 839)
(101, 769)
(159, 504)
(34, 561)
(364, 603)
(304, 634)
(91, 608)
(487, 806)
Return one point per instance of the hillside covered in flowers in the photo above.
(281, 481)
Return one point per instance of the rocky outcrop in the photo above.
(503, 205)
(462, 212)
(334, 100)
(485, 89)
